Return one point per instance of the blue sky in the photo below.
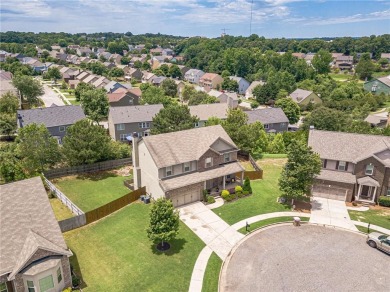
(270, 18)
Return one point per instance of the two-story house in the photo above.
(180, 165)
(378, 85)
(124, 97)
(33, 252)
(193, 75)
(243, 84)
(55, 118)
(206, 111)
(125, 121)
(274, 120)
(211, 81)
(344, 62)
(354, 166)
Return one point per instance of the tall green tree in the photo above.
(11, 168)
(29, 88)
(82, 87)
(290, 108)
(95, 104)
(164, 222)
(9, 103)
(155, 95)
(86, 143)
(175, 72)
(173, 118)
(187, 92)
(324, 118)
(37, 148)
(200, 97)
(169, 86)
(277, 145)
(365, 67)
(54, 73)
(321, 61)
(299, 172)
(7, 124)
(230, 85)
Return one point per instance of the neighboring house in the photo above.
(193, 75)
(180, 165)
(344, 62)
(82, 76)
(378, 85)
(309, 58)
(73, 83)
(157, 61)
(101, 82)
(55, 118)
(124, 121)
(358, 55)
(147, 77)
(206, 111)
(33, 252)
(183, 69)
(91, 78)
(168, 52)
(230, 98)
(385, 56)
(299, 55)
(242, 84)
(249, 91)
(273, 119)
(157, 80)
(83, 51)
(156, 51)
(378, 120)
(6, 83)
(112, 86)
(134, 74)
(354, 166)
(109, 65)
(124, 97)
(304, 97)
(211, 81)
(116, 58)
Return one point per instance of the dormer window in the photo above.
(342, 166)
(369, 169)
(226, 157)
(209, 162)
(187, 167)
(168, 171)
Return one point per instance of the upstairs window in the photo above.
(226, 157)
(342, 166)
(144, 125)
(168, 171)
(369, 169)
(120, 127)
(187, 167)
(62, 128)
(30, 286)
(266, 126)
(209, 162)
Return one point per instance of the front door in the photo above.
(367, 192)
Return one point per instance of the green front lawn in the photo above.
(61, 212)
(364, 229)
(93, 190)
(263, 199)
(211, 276)
(269, 221)
(115, 254)
(377, 217)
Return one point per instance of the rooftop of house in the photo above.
(343, 58)
(254, 84)
(206, 111)
(213, 92)
(298, 95)
(385, 80)
(267, 116)
(194, 72)
(27, 223)
(134, 114)
(135, 90)
(385, 55)
(4, 75)
(237, 79)
(349, 147)
(184, 146)
(376, 119)
(52, 116)
(209, 76)
(159, 79)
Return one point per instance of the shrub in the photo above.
(75, 281)
(67, 290)
(247, 185)
(245, 193)
(240, 194)
(225, 194)
(238, 189)
(384, 201)
(229, 198)
(205, 193)
(210, 200)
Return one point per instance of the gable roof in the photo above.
(385, 80)
(348, 147)
(205, 111)
(5, 75)
(184, 146)
(213, 92)
(254, 84)
(27, 223)
(267, 116)
(134, 114)
(210, 76)
(194, 72)
(299, 95)
(238, 79)
(376, 119)
(116, 96)
(52, 116)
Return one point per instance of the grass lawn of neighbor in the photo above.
(265, 193)
(380, 217)
(114, 254)
(269, 221)
(60, 210)
(211, 276)
(89, 191)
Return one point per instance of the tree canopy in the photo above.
(94, 103)
(30, 89)
(173, 118)
(290, 108)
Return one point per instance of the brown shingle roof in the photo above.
(205, 111)
(134, 114)
(300, 95)
(184, 146)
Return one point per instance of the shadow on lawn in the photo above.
(75, 269)
(96, 176)
(176, 246)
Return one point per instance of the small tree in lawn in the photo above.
(164, 223)
(247, 185)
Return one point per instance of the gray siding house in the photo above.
(124, 97)
(56, 118)
(124, 121)
(243, 84)
(274, 120)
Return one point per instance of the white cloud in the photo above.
(32, 8)
(378, 15)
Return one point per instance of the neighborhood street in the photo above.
(51, 97)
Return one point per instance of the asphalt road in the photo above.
(51, 97)
(306, 258)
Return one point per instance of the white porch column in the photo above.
(224, 182)
(359, 191)
(373, 196)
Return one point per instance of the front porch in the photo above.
(216, 185)
(367, 190)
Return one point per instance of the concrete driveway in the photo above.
(215, 233)
(50, 97)
(330, 212)
(305, 258)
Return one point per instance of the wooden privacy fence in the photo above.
(105, 165)
(254, 174)
(64, 199)
(254, 164)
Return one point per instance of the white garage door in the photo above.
(186, 198)
(329, 192)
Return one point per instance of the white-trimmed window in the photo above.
(59, 275)
(144, 125)
(122, 137)
(369, 169)
(168, 171)
(120, 127)
(209, 162)
(226, 157)
(3, 287)
(46, 283)
(30, 286)
(342, 166)
(131, 101)
(373, 88)
(62, 128)
(266, 126)
(187, 167)
(196, 124)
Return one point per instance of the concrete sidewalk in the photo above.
(330, 212)
(219, 236)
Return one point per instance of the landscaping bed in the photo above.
(115, 254)
(92, 190)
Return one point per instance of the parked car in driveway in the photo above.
(379, 241)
